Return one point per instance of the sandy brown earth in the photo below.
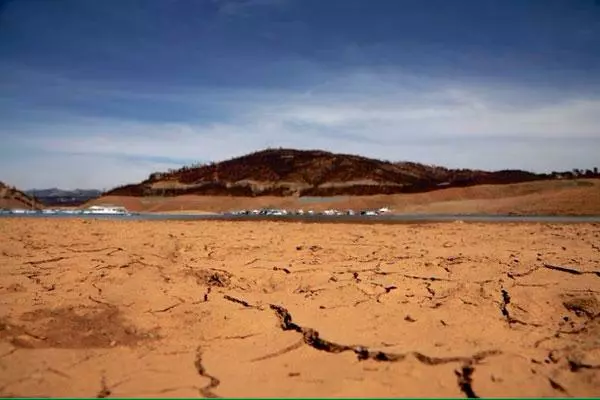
(10, 197)
(572, 197)
(189, 309)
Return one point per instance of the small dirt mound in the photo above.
(588, 305)
(212, 277)
(73, 328)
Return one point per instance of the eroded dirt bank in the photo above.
(580, 197)
(188, 309)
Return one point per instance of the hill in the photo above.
(64, 198)
(10, 197)
(289, 172)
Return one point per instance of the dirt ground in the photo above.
(230, 309)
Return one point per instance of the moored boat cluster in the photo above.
(92, 210)
(122, 211)
(301, 212)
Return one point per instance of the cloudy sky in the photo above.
(98, 93)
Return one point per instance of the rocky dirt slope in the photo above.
(556, 197)
(11, 197)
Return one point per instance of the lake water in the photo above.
(395, 218)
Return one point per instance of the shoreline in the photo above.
(544, 197)
(389, 219)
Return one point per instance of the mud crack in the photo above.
(505, 303)
(504, 309)
(558, 268)
(430, 290)
(557, 386)
(104, 390)
(575, 366)
(206, 391)
(205, 297)
(426, 278)
(241, 302)
(312, 338)
(281, 352)
(168, 308)
(465, 380)
(113, 250)
(387, 290)
(49, 260)
(571, 271)
(514, 275)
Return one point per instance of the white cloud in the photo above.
(394, 117)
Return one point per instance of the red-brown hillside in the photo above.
(284, 172)
(303, 167)
(11, 197)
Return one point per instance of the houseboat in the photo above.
(106, 210)
(22, 211)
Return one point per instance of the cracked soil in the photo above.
(228, 309)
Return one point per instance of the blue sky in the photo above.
(98, 93)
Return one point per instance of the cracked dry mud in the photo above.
(223, 309)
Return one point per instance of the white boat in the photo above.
(106, 210)
(22, 211)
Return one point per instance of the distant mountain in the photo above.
(59, 197)
(11, 197)
(289, 172)
(54, 192)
